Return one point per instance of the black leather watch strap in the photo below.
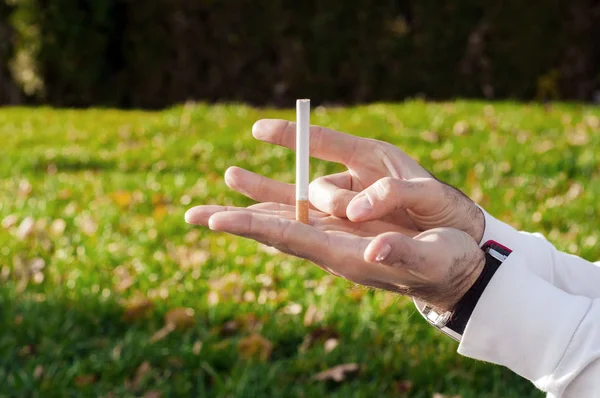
(466, 305)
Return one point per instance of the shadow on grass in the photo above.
(54, 346)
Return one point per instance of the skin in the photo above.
(385, 222)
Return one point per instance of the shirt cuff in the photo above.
(522, 322)
(498, 231)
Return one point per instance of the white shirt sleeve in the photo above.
(537, 330)
(567, 272)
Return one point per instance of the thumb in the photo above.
(398, 251)
(389, 194)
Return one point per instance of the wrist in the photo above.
(454, 320)
(468, 280)
(470, 274)
(453, 291)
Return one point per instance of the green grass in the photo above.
(121, 182)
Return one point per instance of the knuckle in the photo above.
(386, 188)
(287, 125)
(316, 183)
(338, 203)
(284, 229)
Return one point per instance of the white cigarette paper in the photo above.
(302, 158)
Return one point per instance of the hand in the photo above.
(382, 182)
(437, 266)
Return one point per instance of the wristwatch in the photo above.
(453, 323)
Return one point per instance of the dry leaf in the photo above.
(543, 146)
(181, 318)
(27, 350)
(116, 352)
(578, 137)
(319, 334)
(197, 347)
(36, 265)
(185, 200)
(141, 372)
(227, 288)
(85, 380)
(292, 309)
(249, 296)
(122, 198)
(159, 212)
(575, 190)
(10, 221)
(158, 199)
(255, 346)
(124, 280)
(592, 121)
(249, 321)
(330, 345)
(25, 228)
(153, 394)
(460, 128)
(188, 258)
(212, 298)
(357, 293)
(65, 194)
(430, 136)
(58, 227)
(312, 315)
(175, 361)
(38, 372)
(338, 373)
(137, 308)
(162, 333)
(192, 236)
(25, 188)
(229, 328)
(403, 386)
(88, 226)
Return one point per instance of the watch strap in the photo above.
(454, 323)
(466, 305)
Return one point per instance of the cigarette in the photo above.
(302, 159)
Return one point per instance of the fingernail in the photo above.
(383, 253)
(361, 207)
(211, 223)
(188, 217)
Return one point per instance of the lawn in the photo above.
(105, 291)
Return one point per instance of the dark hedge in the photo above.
(9, 92)
(158, 52)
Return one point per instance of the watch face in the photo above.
(436, 319)
(439, 321)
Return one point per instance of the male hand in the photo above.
(437, 266)
(381, 183)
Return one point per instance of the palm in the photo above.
(332, 225)
(336, 245)
(418, 265)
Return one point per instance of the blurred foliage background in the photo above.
(156, 53)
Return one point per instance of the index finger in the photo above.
(289, 236)
(325, 143)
